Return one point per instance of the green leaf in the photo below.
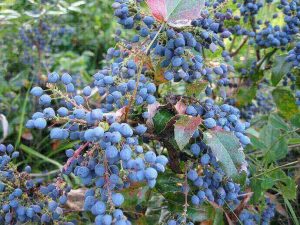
(257, 143)
(246, 95)
(161, 118)
(295, 120)
(227, 149)
(175, 204)
(134, 195)
(258, 75)
(297, 83)
(288, 190)
(280, 69)
(285, 185)
(168, 182)
(269, 135)
(196, 88)
(169, 185)
(218, 218)
(277, 122)
(257, 190)
(285, 102)
(184, 128)
(241, 179)
(276, 145)
(267, 183)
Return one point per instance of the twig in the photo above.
(132, 99)
(239, 48)
(268, 171)
(185, 189)
(76, 154)
(153, 40)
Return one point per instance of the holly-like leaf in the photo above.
(159, 75)
(161, 119)
(134, 195)
(194, 89)
(281, 68)
(277, 122)
(276, 145)
(246, 95)
(227, 149)
(184, 128)
(295, 120)
(284, 183)
(169, 186)
(176, 12)
(285, 102)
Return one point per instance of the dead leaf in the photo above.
(76, 199)
(279, 207)
(27, 135)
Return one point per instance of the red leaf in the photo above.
(158, 9)
(184, 129)
(180, 107)
(152, 109)
(120, 113)
(177, 13)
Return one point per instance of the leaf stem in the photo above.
(271, 170)
(153, 40)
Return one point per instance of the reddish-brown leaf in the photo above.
(180, 107)
(184, 128)
(152, 109)
(158, 9)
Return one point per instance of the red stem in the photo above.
(76, 154)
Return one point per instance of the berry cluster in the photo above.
(251, 218)
(294, 55)
(291, 13)
(119, 93)
(224, 116)
(213, 185)
(249, 8)
(41, 37)
(114, 159)
(22, 199)
(174, 50)
(272, 37)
